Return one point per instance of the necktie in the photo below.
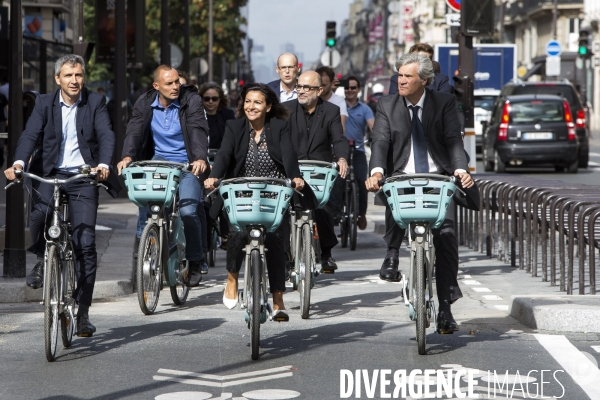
(418, 140)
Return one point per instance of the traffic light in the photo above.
(330, 33)
(584, 49)
(463, 90)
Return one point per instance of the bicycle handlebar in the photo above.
(282, 182)
(316, 163)
(20, 174)
(405, 177)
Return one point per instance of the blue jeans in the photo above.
(191, 209)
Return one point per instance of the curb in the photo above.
(18, 292)
(574, 313)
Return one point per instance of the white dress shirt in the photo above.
(284, 95)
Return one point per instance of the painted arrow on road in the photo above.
(194, 378)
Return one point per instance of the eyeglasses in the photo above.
(208, 98)
(306, 88)
(287, 67)
(352, 88)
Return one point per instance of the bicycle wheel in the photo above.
(419, 299)
(179, 292)
(353, 221)
(305, 271)
(214, 245)
(51, 296)
(345, 222)
(255, 306)
(149, 275)
(67, 323)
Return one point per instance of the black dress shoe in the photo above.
(204, 268)
(389, 270)
(35, 279)
(328, 265)
(84, 326)
(446, 323)
(194, 276)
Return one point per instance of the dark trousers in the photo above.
(446, 252)
(275, 253)
(360, 175)
(327, 237)
(83, 208)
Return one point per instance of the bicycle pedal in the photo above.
(328, 271)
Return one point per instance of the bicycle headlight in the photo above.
(255, 233)
(419, 229)
(54, 232)
(155, 208)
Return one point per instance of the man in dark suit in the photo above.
(73, 128)
(440, 82)
(316, 127)
(287, 69)
(431, 143)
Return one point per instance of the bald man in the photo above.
(287, 69)
(316, 127)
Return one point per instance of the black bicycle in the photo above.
(349, 222)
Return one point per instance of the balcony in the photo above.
(65, 6)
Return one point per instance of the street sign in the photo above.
(335, 58)
(553, 48)
(176, 56)
(453, 19)
(553, 66)
(454, 4)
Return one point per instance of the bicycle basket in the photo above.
(419, 200)
(255, 204)
(321, 181)
(151, 184)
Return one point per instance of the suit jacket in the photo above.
(391, 138)
(44, 128)
(276, 86)
(440, 83)
(216, 138)
(326, 131)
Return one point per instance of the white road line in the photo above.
(223, 377)
(219, 384)
(470, 282)
(597, 348)
(594, 154)
(491, 297)
(577, 365)
(481, 289)
(501, 307)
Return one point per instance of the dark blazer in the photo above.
(276, 86)
(231, 157)
(216, 138)
(326, 131)
(440, 83)
(391, 138)
(138, 141)
(44, 127)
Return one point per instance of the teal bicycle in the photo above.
(320, 175)
(257, 206)
(161, 254)
(419, 202)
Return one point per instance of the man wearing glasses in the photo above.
(360, 116)
(287, 69)
(316, 127)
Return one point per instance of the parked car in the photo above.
(483, 102)
(559, 88)
(531, 130)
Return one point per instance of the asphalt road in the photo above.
(357, 322)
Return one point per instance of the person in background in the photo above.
(327, 77)
(288, 70)
(183, 77)
(360, 117)
(217, 113)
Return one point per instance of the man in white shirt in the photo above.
(288, 70)
(327, 79)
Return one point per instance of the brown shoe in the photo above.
(362, 222)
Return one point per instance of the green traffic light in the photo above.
(583, 50)
(330, 42)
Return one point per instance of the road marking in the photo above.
(191, 378)
(576, 364)
(184, 396)
(491, 297)
(594, 154)
(271, 394)
(501, 307)
(466, 276)
(481, 289)
(470, 282)
(597, 348)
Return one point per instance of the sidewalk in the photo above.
(493, 283)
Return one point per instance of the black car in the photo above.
(531, 130)
(559, 88)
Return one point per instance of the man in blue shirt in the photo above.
(169, 123)
(360, 117)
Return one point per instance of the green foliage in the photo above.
(226, 37)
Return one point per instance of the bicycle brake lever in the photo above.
(10, 184)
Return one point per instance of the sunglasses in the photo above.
(208, 98)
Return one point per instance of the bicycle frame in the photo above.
(297, 224)
(256, 235)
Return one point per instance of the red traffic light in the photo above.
(241, 82)
(339, 76)
(299, 65)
